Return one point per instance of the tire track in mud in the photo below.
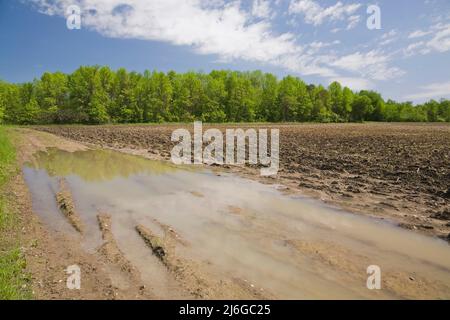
(67, 207)
(193, 275)
(127, 277)
(124, 275)
(111, 252)
(48, 253)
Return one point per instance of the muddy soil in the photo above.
(106, 272)
(49, 254)
(67, 207)
(399, 172)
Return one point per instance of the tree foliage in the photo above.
(95, 95)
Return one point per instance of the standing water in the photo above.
(293, 247)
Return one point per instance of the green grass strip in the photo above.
(13, 280)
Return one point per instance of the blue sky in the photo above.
(317, 40)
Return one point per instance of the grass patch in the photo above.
(13, 280)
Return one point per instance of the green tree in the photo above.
(288, 98)
(160, 94)
(214, 106)
(124, 107)
(376, 110)
(21, 105)
(444, 110)
(105, 82)
(11, 104)
(240, 103)
(31, 112)
(3, 88)
(321, 105)
(51, 94)
(360, 107)
(268, 109)
(432, 108)
(95, 95)
(347, 101)
(337, 100)
(88, 100)
(304, 105)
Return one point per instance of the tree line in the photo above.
(98, 95)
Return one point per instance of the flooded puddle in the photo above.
(292, 247)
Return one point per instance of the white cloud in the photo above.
(353, 21)
(315, 46)
(230, 32)
(210, 27)
(335, 30)
(261, 9)
(387, 41)
(315, 14)
(416, 48)
(441, 39)
(373, 64)
(438, 42)
(308, 65)
(389, 37)
(389, 34)
(434, 90)
(418, 34)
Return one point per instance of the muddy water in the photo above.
(290, 247)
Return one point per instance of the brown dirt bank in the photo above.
(395, 171)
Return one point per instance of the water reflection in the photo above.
(96, 165)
